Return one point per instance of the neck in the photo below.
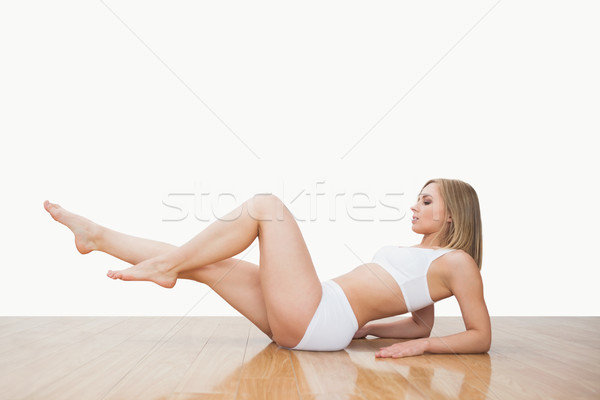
(429, 241)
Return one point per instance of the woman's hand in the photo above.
(362, 332)
(404, 349)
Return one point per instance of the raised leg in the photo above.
(291, 287)
(290, 284)
(236, 281)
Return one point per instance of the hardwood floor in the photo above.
(173, 358)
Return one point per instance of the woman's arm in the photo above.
(401, 329)
(464, 281)
(418, 326)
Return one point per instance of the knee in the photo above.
(266, 199)
(265, 205)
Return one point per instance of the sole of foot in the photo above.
(145, 271)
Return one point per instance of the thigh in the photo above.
(238, 283)
(291, 287)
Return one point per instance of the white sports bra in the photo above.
(409, 266)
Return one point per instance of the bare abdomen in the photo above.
(372, 292)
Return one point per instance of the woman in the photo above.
(283, 296)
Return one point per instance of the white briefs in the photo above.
(333, 325)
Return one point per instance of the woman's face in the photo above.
(430, 211)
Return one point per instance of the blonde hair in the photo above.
(462, 204)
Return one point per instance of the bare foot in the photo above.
(86, 232)
(154, 270)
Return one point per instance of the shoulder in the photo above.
(459, 264)
(460, 257)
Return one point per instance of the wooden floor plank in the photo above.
(160, 372)
(552, 331)
(439, 376)
(92, 368)
(533, 380)
(217, 368)
(10, 325)
(170, 358)
(267, 371)
(529, 362)
(201, 396)
(24, 348)
(36, 334)
(325, 373)
(26, 369)
(552, 357)
(377, 378)
(513, 375)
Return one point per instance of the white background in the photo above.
(111, 108)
